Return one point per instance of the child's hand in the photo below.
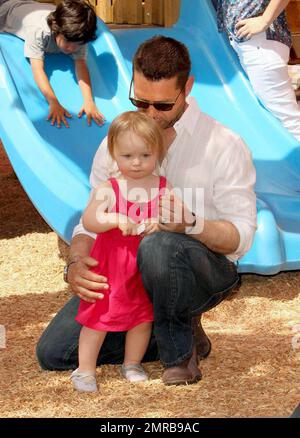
(58, 114)
(92, 112)
(127, 227)
(251, 26)
(151, 226)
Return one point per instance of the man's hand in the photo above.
(174, 216)
(151, 226)
(83, 282)
(92, 112)
(251, 26)
(58, 114)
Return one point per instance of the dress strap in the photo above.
(116, 189)
(162, 185)
(114, 185)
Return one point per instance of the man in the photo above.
(187, 267)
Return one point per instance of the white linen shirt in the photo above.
(204, 155)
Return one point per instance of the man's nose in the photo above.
(151, 111)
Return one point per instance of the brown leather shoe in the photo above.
(203, 344)
(185, 373)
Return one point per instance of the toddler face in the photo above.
(134, 157)
(67, 47)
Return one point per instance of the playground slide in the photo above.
(53, 164)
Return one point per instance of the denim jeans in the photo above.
(183, 279)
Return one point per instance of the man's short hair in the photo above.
(163, 58)
(75, 20)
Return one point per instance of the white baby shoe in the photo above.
(134, 373)
(84, 382)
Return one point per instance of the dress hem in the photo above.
(102, 328)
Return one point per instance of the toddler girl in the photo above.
(119, 211)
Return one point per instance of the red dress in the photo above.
(126, 303)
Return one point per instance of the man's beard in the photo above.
(165, 124)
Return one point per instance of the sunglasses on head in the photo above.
(159, 106)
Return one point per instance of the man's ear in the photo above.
(189, 85)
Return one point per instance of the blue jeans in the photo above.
(183, 279)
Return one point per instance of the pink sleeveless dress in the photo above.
(126, 303)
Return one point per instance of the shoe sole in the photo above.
(184, 382)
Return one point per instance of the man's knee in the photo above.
(157, 247)
(43, 355)
(154, 256)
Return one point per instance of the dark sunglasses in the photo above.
(159, 106)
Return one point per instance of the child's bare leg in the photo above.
(90, 342)
(137, 340)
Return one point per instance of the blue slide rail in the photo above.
(53, 164)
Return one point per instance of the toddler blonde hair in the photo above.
(141, 125)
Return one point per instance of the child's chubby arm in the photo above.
(57, 113)
(89, 107)
(98, 216)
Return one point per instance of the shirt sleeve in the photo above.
(99, 173)
(234, 195)
(35, 42)
(81, 53)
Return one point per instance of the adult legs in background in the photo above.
(265, 62)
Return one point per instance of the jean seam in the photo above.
(69, 351)
(173, 288)
(179, 361)
(173, 283)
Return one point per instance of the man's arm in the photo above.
(251, 26)
(57, 113)
(234, 201)
(89, 107)
(219, 236)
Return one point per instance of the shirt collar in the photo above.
(189, 118)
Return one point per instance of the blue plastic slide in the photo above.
(53, 164)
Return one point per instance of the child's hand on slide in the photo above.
(251, 26)
(58, 114)
(92, 112)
